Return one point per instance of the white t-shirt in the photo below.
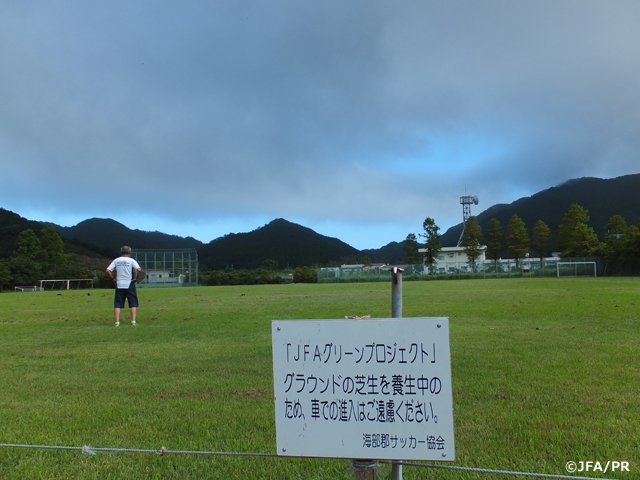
(124, 267)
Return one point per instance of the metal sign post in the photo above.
(396, 312)
(372, 389)
(396, 292)
(364, 469)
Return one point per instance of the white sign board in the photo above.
(375, 388)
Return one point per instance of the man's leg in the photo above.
(132, 299)
(118, 303)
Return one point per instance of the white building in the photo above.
(454, 259)
(164, 276)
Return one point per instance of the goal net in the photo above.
(66, 284)
(576, 269)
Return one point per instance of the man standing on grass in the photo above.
(125, 283)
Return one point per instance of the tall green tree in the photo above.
(631, 251)
(517, 238)
(28, 246)
(495, 240)
(471, 240)
(616, 243)
(541, 239)
(574, 237)
(25, 263)
(432, 245)
(410, 247)
(52, 249)
(616, 228)
(24, 271)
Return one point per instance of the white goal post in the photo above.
(576, 269)
(66, 284)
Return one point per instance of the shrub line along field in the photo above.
(545, 371)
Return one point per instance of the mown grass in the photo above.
(544, 371)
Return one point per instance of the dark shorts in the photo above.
(129, 293)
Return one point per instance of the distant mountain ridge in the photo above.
(293, 245)
(106, 232)
(11, 224)
(290, 244)
(392, 252)
(602, 198)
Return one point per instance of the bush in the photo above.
(305, 275)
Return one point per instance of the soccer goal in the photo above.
(576, 269)
(66, 284)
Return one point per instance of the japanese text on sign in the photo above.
(331, 387)
(372, 353)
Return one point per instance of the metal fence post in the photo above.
(396, 312)
(366, 469)
(396, 292)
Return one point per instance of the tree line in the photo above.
(268, 273)
(620, 248)
(40, 258)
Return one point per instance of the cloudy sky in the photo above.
(355, 118)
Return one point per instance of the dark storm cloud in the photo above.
(313, 111)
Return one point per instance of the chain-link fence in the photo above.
(168, 268)
(507, 268)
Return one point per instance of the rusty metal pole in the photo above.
(396, 312)
(365, 469)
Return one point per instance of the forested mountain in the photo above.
(602, 198)
(11, 224)
(293, 245)
(108, 233)
(290, 244)
(391, 253)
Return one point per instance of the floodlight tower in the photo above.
(466, 202)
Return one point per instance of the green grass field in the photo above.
(545, 371)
